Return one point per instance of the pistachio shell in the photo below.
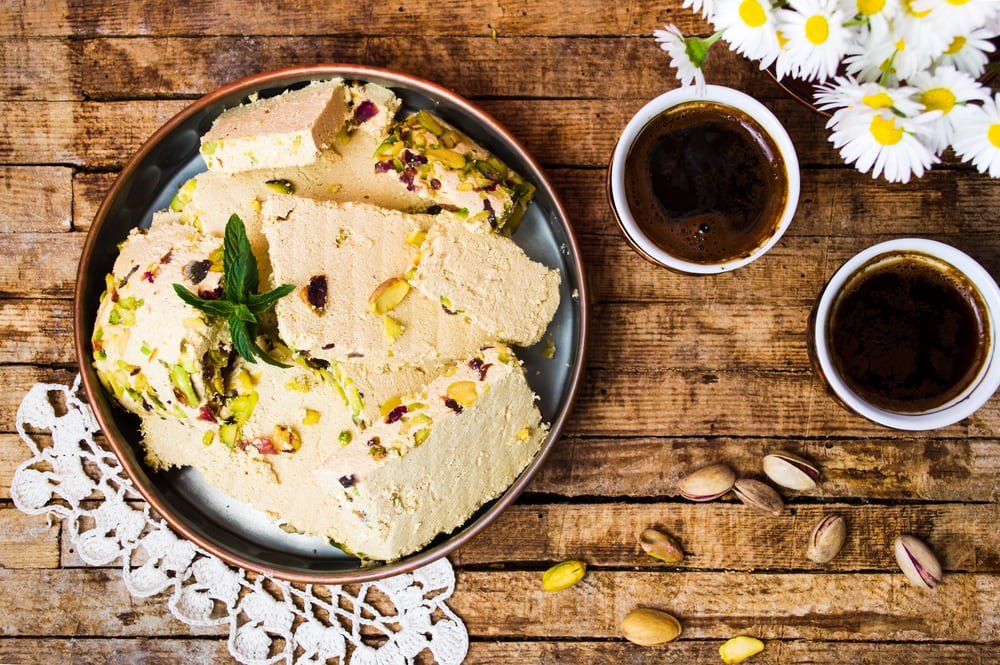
(827, 539)
(759, 495)
(649, 627)
(917, 562)
(791, 471)
(739, 648)
(661, 546)
(707, 483)
(563, 575)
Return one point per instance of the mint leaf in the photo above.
(260, 303)
(240, 304)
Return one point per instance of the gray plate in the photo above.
(234, 531)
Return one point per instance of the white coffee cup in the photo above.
(976, 392)
(617, 194)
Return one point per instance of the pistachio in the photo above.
(827, 539)
(707, 483)
(790, 471)
(917, 562)
(563, 575)
(387, 295)
(759, 495)
(463, 392)
(740, 648)
(648, 627)
(280, 186)
(661, 546)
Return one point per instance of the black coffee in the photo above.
(705, 182)
(909, 335)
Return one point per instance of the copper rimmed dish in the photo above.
(237, 533)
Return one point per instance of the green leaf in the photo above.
(219, 308)
(260, 303)
(240, 304)
(238, 262)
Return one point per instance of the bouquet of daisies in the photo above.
(900, 78)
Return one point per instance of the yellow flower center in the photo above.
(909, 10)
(938, 99)
(880, 100)
(870, 7)
(993, 134)
(957, 2)
(782, 40)
(817, 29)
(885, 131)
(752, 13)
(956, 45)
(901, 44)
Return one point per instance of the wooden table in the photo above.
(681, 371)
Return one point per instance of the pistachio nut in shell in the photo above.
(739, 648)
(707, 483)
(827, 539)
(563, 575)
(917, 562)
(661, 546)
(648, 627)
(759, 495)
(790, 471)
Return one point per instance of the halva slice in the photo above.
(435, 457)
(274, 427)
(434, 159)
(153, 352)
(490, 279)
(289, 129)
(349, 263)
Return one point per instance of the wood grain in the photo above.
(35, 199)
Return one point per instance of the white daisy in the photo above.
(816, 37)
(945, 90)
(958, 16)
(876, 15)
(967, 52)
(883, 143)
(686, 55)
(749, 28)
(977, 136)
(705, 7)
(871, 98)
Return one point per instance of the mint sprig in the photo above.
(240, 304)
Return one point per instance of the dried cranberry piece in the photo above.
(395, 414)
(453, 405)
(205, 413)
(384, 166)
(481, 367)
(149, 276)
(214, 294)
(348, 481)
(196, 271)
(316, 292)
(265, 446)
(414, 158)
(366, 110)
(489, 208)
(436, 184)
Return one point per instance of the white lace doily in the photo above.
(270, 621)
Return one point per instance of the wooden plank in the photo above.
(498, 604)
(36, 331)
(40, 265)
(35, 199)
(38, 69)
(35, 18)
(17, 380)
(85, 603)
(113, 651)
(89, 190)
(871, 607)
(473, 66)
(691, 651)
(240, 17)
(95, 135)
(709, 403)
(728, 536)
(29, 540)
(879, 468)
